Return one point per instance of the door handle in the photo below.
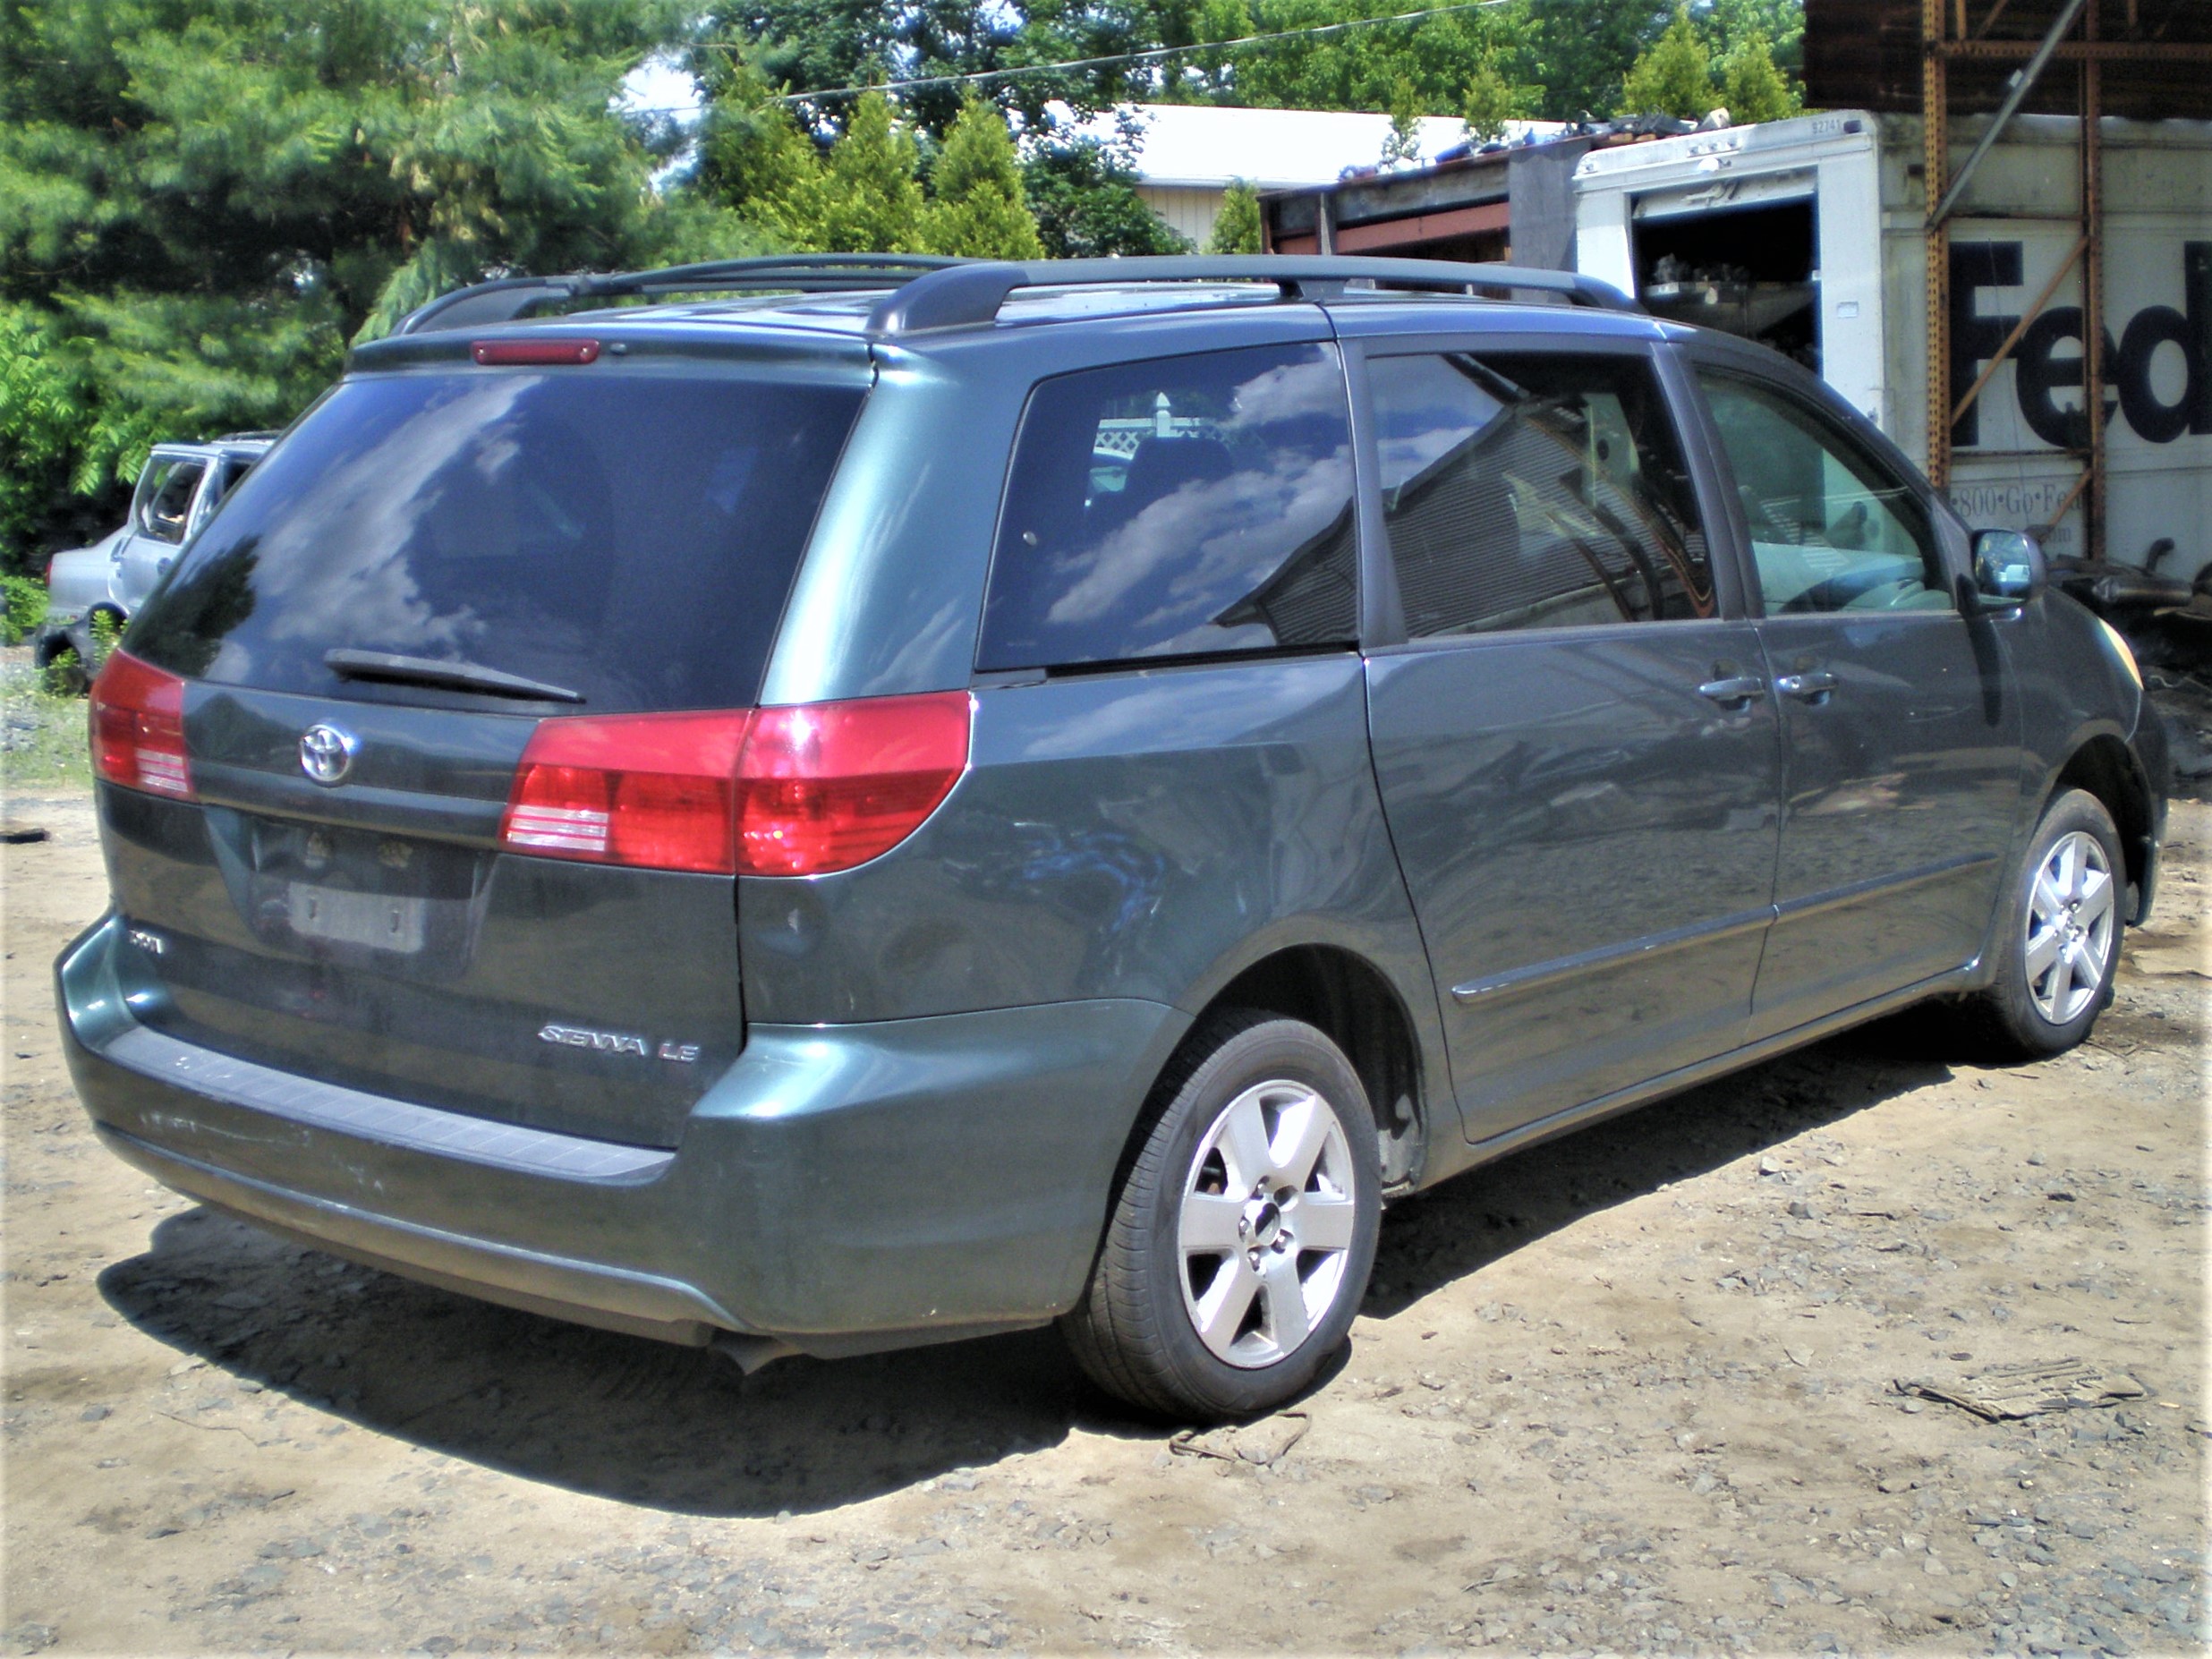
(1812, 686)
(1736, 688)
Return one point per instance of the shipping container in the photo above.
(1807, 234)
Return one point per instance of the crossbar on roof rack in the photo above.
(964, 295)
(510, 298)
(930, 293)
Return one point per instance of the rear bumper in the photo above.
(840, 1187)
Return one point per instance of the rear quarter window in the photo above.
(1179, 506)
(629, 534)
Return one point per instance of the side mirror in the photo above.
(2008, 568)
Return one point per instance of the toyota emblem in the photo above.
(327, 754)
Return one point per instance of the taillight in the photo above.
(653, 790)
(804, 791)
(138, 728)
(826, 785)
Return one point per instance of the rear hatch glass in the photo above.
(621, 538)
(626, 533)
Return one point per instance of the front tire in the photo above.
(2059, 947)
(1239, 1244)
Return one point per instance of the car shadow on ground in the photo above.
(680, 1429)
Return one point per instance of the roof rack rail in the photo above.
(509, 298)
(965, 294)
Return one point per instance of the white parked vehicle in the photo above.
(178, 491)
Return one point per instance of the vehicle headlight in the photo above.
(2121, 649)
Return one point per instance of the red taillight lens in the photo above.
(803, 790)
(826, 785)
(652, 790)
(138, 728)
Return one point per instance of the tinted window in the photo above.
(1522, 491)
(1177, 507)
(165, 498)
(1831, 528)
(628, 535)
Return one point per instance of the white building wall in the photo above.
(1189, 211)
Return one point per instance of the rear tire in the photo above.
(2059, 944)
(1238, 1247)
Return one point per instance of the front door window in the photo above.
(1831, 528)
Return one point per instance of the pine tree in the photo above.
(979, 208)
(207, 201)
(1492, 100)
(1236, 227)
(870, 201)
(1673, 77)
(1402, 143)
(1752, 85)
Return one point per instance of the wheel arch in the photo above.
(1344, 995)
(2102, 766)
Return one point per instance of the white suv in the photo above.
(178, 491)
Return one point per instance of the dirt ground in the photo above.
(1632, 1391)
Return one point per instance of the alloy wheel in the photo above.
(1266, 1220)
(2070, 927)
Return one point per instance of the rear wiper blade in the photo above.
(382, 665)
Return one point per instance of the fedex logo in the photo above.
(2048, 358)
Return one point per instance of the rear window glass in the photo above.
(627, 535)
(1179, 506)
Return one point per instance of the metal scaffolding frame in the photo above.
(1950, 35)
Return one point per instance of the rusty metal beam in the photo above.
(2079, 52)
(2034, 311)
(1935, 166)
(2094, 513)
(2065, 505)
(1988, 22)
(2021, 83)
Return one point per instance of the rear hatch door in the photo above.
(436, 559)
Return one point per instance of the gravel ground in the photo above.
(1631, 1391)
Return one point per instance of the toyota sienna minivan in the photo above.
(826, 804)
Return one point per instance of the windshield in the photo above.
(630, 534)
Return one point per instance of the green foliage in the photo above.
(1752, 85)
(26, 607)
(800, 46)
(1579, 51)
(1674, 77)
(42, 738)
(1402, 143)
(979, 208)
(208, 199)
(871, 202)
(1236, 227)
(1492, 100)
(46, 415)
(1726, 25)
(1086, 204)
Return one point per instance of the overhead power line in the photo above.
(1151, 55)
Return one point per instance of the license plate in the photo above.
(370, 919)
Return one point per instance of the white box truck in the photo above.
(1807, 233)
